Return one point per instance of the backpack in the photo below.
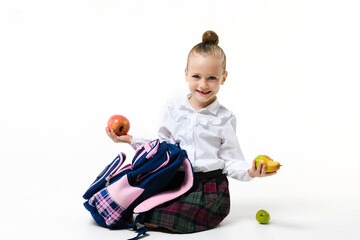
(117, 193)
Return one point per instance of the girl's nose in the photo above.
(203, 83)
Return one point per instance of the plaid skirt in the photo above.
(203, 207)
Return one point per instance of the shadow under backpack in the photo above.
(117, 193)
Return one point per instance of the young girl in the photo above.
(206, 130)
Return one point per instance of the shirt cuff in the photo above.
(239, 171)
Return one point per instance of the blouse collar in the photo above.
(212, 108)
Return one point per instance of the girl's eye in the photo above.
(212, 78)
(196, 76)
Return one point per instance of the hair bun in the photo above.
(210, 37)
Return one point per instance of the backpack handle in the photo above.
(148, 149)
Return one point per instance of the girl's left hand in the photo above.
(118, 139)
(260, 171)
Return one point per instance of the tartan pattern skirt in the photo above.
(203, 207)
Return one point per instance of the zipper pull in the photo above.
(108, 180)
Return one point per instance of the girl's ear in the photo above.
(186, 74)
(224, 78)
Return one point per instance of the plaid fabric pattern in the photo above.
(203, 207)
(107, 208)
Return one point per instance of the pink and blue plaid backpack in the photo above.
(138, 187)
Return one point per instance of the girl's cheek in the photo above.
(192, 84)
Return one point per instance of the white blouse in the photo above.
(208, 136)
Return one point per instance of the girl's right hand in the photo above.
(260, 171)
(122, 139)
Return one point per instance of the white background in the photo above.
(66, 66)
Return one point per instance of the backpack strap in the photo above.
(169, 195)
(140, 231)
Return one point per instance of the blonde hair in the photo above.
(209, 46)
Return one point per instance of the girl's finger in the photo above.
(258, 170)
(113, 135)
(108, 132)
(263, 170)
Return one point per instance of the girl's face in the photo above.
(204, 76)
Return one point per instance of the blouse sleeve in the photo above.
(235, 165)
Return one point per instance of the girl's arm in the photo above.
(235, 165)
(164, 134)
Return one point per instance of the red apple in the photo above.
(119, 124)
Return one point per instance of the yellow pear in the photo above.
(271, 166)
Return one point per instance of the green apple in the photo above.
(262, 216)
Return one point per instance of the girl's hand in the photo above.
(122, 139)
(260, 171)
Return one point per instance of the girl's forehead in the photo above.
(204, 61)
(195, 55)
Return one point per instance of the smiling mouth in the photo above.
(203, 92)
